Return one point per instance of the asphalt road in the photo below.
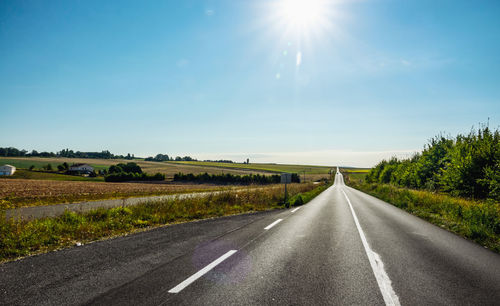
(342, 248)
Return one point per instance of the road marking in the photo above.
(295, 209)
(200, 273)
(273, 224)
(383, 280)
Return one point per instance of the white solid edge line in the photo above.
(200, 273)
(273, 224)
(295, 209)
(383, 280)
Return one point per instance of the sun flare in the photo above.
(301, 13)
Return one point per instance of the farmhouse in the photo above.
(81, 168)
(7, 170)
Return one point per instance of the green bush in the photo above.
(466, 166)
(298, 201)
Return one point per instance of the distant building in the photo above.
(81, 168)
(7, 170)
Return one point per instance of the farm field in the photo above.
(40, 175)
(167, 168)
(312, 173)
(261, 167)
(25, 192)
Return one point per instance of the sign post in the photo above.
(286, 178)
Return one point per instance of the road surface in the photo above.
(343, 248)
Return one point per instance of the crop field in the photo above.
(167, 168)
(39, 175)
(25, 192)
(261, 167)
(306, 172)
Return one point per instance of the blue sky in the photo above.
(222, 79)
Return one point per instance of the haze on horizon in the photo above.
(286, 81)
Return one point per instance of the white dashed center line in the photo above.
(200, 273)
(273, 224)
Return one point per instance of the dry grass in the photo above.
(21, 192)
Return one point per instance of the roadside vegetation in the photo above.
(21, 238)
(454, 183)
(466, 166)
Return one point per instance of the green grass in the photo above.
(476, 220)
(21, 238)
(38, 175)
(277, 168)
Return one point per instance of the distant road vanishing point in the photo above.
(343, 247)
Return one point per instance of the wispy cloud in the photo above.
(209, 12)
(182, 62)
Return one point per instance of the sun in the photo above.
(302, 16)
(301, 13)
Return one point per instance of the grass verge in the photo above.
(22, 238)
(478, 221)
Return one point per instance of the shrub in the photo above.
(298, 201)
(466, 166)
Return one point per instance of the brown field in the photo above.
(21, 192)
(169, 169)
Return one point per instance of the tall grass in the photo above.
(475, 220)
(21, 238)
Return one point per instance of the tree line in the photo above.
(228, 178)
(467, 166)
(165, 157)
(105, 154)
